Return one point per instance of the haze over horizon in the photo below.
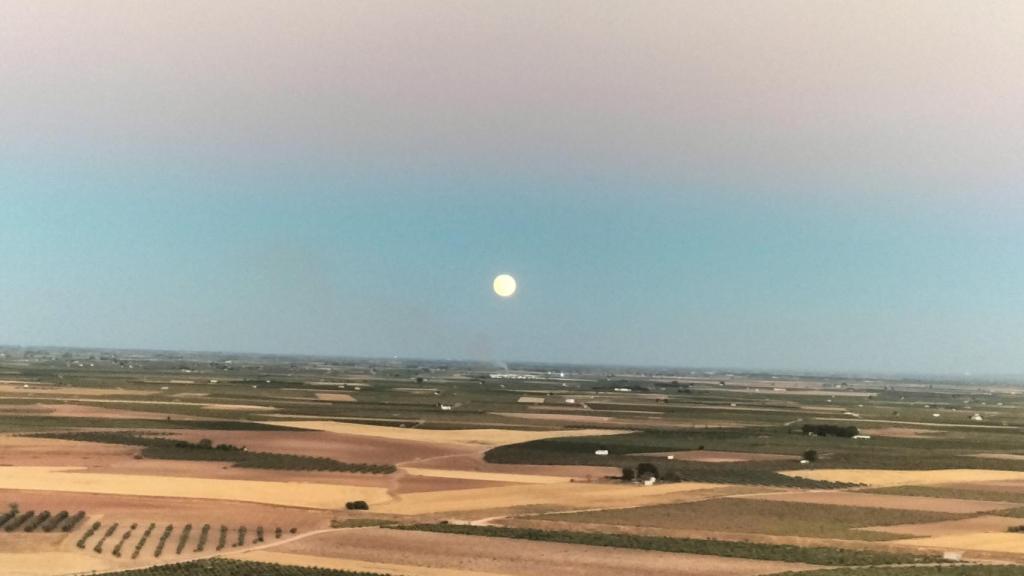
(790, 185)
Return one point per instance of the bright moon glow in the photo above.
(504, 285)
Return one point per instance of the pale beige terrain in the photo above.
(865, 500)
(898, 432)
(531, 400)
(576, 418)
(35, 389)
(335, 397)
(343, 447)
(145, 509)
(488, 476)
(458, 554)
(907, 477)
(998, 456)
(982, 541)
(561, 496)
(50, 563)
(474, 462)
(305, 495)
(978, 524)
(24, 451)
(483, 437)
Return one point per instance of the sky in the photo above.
(766, 184)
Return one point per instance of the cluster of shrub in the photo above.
(206, 450)
(142, 541)
(88, 534)
(754, 550)
(14, 520)
(124, 538)
(830, 430)
(644, 471)
(225, 567)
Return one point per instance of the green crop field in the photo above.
(760, 516)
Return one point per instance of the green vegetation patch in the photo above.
(950, 492)
(954, 570)
(763, 517)
(222, 567)
(206, 450)
(730, 549)
(35, 423)
(624, 449)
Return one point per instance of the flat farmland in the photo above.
(184, 444)
(481, 437)
(561, 495)
(887, 501)
(406, 551)
(303, 495)
(760, 516)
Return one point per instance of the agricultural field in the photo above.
(177, 464)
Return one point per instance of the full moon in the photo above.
(504, 285)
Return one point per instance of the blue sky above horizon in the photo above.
(780, 185)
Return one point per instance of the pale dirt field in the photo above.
(22, 451)
(718, 456)
(304, 495)
(547, 522)
(44, 389)
(907, 477)
(406, 484)
(561, 496)
(982, 541)
(487, 476)
(474, 462)
(864, 500)
(978, 524)
(239, 407)
(998, 456)
(87, 411)
(1013, 486)
(146, 509)
(897, 432)
(578, 418)
(226, 471)
(49, 563)
(531, 400)
(97, 457)
(352, 565)
(335, 397)
(458, 555)
(343, 447)
(483, 437)
(56, 554)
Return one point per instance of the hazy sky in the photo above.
(763, 184)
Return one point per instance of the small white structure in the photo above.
(954, 556)
(977, 418)
(622, 389)
(446, 407)
(936, 415)
(650, 481)
(601, 452)
(570, 400)
(805, 461)
(671, 457)
(862, 437)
